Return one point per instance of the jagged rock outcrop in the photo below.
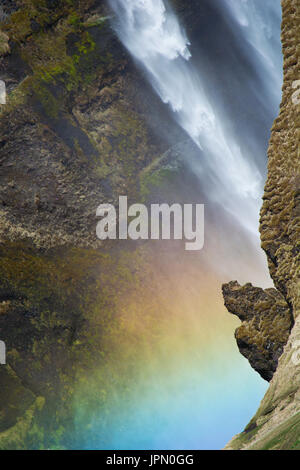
(266, 324)
(276, 424)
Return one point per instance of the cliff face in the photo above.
(70, 134)
(73, 134)
(276, 424)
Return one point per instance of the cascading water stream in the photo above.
(152, 34)
(259, 25)
(193, 389)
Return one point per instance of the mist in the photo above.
(154, 37)
(221, 84)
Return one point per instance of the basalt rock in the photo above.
(266, 324)
(276, 424)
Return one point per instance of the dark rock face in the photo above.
(266, 324)
(7, 7)
(75, 133)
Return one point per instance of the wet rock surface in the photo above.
(266, 324)
(79, 129)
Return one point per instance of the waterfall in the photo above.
(195, 390)
(258, 23)
(153, 35)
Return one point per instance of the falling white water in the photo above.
(213, 392)
(154, 37)
(259, 23)
(152, 34)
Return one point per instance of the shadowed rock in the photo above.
(266, 324)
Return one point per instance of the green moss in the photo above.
(244, 438)
(155, 180)
(95, 21)
(20, 27)
(4, 46)
(15, 437)
(14, 398)
(74, 20)
(65, 61)
(158, 174)
(284, 437)
(70, 292)
(46, 55)
(56, 74)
